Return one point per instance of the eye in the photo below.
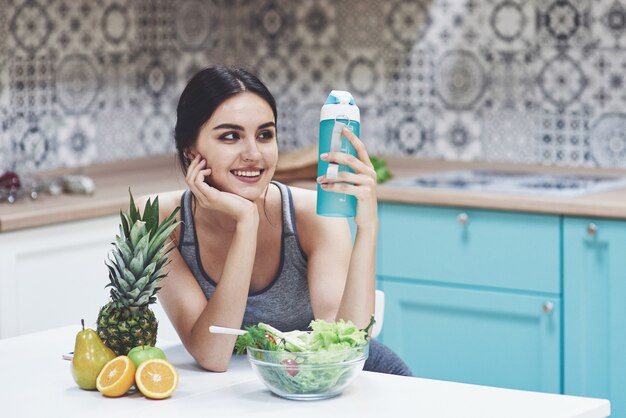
(266, 135)
(229, 136)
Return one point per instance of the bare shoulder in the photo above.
(313, 228)
(168, 202)
(304, 200)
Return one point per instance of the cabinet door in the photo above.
(54, 275)
(594, 269)
(506, 250)
(491, 338)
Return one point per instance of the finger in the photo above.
(200, 178)
(359, 147)
(351, 161)
(361, 192)
(201, 189)
(348, 177)
(193, 168)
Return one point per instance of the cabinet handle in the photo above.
(463, 218)
(592, 229)
(548, 307)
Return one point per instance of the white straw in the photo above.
(223, 330)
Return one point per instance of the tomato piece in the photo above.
(291, 366)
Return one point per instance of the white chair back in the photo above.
(379, 312)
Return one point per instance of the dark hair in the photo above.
(203, 94)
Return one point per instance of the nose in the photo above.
(251, 150)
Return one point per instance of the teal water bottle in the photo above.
(339, 110)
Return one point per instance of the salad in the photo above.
(306, 362)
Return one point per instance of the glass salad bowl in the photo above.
(308, 375)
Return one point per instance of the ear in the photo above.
(189, 154)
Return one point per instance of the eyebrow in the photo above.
(241, 128)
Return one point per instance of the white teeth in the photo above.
(247, 173)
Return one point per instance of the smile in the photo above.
(247, 173)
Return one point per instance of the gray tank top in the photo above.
(285, 303)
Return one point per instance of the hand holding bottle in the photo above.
(361, 183)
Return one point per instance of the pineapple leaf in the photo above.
(142, 245)
(112, 275)
(137, 232)
(143, 300)
(114, 270)
(133, 210)
(155, 280)
(136, 265)
(124, 286)
(172, 216)
(149, 270)
(124, 225)
(168, 221)
(134, 293)
(118, 260)
(159, 240)
(161, 264)
(124, 249)
(151, 214)
(141, 283)
(128, 277)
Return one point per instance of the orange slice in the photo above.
(116, 377)
(156, 378)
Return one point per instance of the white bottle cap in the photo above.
(340, 105)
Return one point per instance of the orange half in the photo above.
(116, 377)
(156, 378)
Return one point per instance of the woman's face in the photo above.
(239, 145)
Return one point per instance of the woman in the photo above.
(251, 250)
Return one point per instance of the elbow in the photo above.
(213, 365)
(213, 368)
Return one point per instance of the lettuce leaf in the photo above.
(324, 336)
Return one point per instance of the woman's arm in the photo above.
(328, 259)
(183, 299)
(191, 314)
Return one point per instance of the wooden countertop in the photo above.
(160, 174)
(112, 180)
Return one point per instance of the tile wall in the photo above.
(528, 81)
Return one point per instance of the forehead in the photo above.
(242, 109)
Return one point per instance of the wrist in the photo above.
(371, 229)
(248, 222)
(368, 226)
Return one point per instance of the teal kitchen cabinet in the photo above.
(475, 336)
(473, 295)
(594, 292)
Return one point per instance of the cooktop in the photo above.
(514, 182)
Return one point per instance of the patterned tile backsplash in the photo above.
(527, 81)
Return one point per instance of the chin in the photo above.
(251, 192)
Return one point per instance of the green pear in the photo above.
(90, 356)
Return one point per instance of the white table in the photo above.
(36, 382)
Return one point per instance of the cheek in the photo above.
(271, 155)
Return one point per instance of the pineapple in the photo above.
(136, 262)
